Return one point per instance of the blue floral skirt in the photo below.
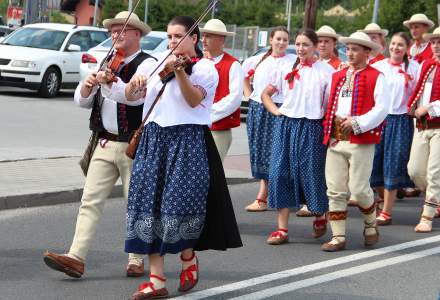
(260, 126)
(168, 190)
(392, 154)
(297, 165)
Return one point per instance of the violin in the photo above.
(182, 62)
(114, 62)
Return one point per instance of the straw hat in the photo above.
(360, 38)
(434, 35)
(327, 31)
(133, 21)
(215, 26)
(419, 18)
(374, 28)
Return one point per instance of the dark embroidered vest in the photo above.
(128, 117)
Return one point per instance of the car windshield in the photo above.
(37, 38)
(148, 43)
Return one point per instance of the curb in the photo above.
(62, 197)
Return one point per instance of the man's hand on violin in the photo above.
(137, 86)
(105, 77)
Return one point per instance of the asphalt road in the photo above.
(297, 270)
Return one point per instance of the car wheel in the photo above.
(51, 83)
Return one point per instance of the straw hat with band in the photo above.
(374, 28)
(327, 31)
(134, 21)
(360, 38)
(419, 19)
(215, 26)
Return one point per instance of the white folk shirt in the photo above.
(262, 75)
(433, 107)
(230, 103)
(372, 118)
(109, 112)
(414, 50)
(307, 98)
(172, 108)
(399, 93)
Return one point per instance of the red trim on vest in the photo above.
(223, 67)
(362, 102)
(334, 62)
(428, 66)
(422, 56)
(378, 57)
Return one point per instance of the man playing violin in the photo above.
(114, 121)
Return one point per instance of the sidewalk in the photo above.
(37, 182)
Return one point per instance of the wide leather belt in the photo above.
(336, 132)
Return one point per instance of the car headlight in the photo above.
(23, 64)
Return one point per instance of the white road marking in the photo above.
(304, 269)
(290, 287)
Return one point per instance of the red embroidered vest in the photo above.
(223, 67)
(361, 103)
(428, 67)
(334, 62)
(422, 56)
(379, 57)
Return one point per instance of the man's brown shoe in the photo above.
(135, 270)
(65, 264)
(333, 247)
(371, 239)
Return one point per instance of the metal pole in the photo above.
(130, 5)
(213, 11)
(146, 12)
(95, 12)
(289, 14)
(375, 11)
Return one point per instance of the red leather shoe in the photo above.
(154, 294)
(187, 280)
(319, 228)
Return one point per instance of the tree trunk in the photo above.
(310, 11)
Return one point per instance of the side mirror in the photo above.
(74, 48)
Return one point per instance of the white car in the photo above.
(154, 42)
(46, 56)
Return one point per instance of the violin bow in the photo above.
(202, 16)
(118, 36)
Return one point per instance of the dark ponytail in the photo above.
(272, 34)
(188, 22)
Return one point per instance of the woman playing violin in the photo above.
(171, 176)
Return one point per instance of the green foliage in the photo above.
(112, 7)
(57, 17)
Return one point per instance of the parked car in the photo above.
(46, 56)
(154, 42)
(291, 49)
(5, 30)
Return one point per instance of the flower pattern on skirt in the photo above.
(391, 156)
(260, 125)
(297, 166)
(168, 190)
